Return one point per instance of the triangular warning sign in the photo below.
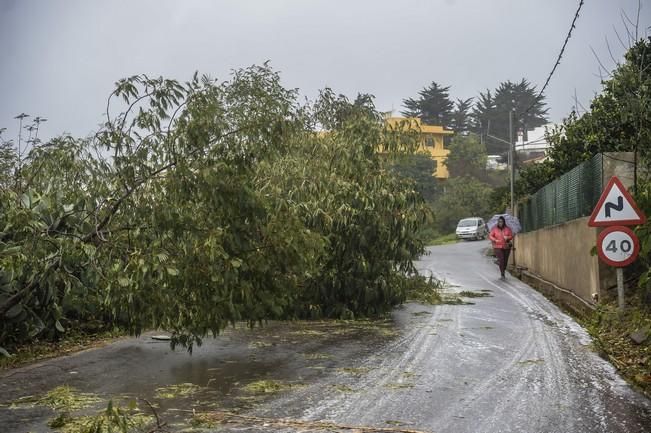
(616, 207)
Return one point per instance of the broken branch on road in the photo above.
(221, 417)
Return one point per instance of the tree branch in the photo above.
(130, 190)
(601, 65)
(18, 296)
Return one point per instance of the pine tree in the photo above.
(433, 105)
(491, 113)
(461, 115)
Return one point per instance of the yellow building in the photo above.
(432, 141)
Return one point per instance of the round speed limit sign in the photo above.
(618, 246)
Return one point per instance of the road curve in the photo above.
(512, 362)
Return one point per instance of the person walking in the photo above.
(502, 238)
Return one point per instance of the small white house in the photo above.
(535, 148)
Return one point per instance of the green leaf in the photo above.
(26, 200)
(10, 251)
(89, 249)
(59, 326)
(173, 271)
(3, 352)
(124, 281)
(14, 311)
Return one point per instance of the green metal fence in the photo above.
(571, 196)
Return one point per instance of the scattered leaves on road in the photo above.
(343, 388)
(176, 391)
(399, 385)
(63, 397)
(113, 419)
(421, 313)
(268, 387)
(471, 294)
(355, 371)
(271, 424)
(317, 356)
(531, 361)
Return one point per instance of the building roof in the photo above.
(431, 129)
(415, 122)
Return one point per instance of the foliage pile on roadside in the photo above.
(423, 289)
(205, 203)
(612, 331)
(114, 419)
(61, 398)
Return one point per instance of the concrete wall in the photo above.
(560, 254)
(620, 164)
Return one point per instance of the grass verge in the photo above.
(444, 240)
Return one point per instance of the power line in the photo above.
(558, 59)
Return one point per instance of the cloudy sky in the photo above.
(60, 58)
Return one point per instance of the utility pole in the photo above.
(511, 157)
(511, 160)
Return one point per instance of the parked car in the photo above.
(472, 228)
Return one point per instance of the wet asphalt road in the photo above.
(511, 362)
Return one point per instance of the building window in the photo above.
(436, 164)
(429, 141)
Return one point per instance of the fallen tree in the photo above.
(201, 204)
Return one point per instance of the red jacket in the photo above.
(501, 238)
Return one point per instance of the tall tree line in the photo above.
(486, 115)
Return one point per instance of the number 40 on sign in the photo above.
(618, 246)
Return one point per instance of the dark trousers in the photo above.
(502, 255)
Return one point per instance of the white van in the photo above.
(472, 228)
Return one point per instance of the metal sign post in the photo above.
(620, 289)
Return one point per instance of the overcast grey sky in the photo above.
(60, 58)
